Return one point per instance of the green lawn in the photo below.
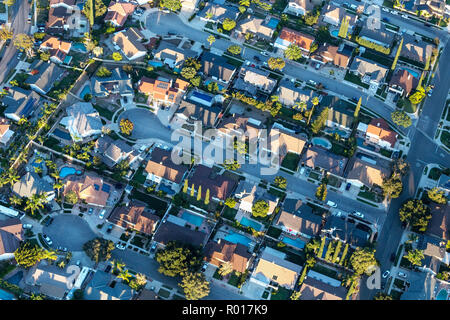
(164, 293)
(274, 232)
(326, 271)
(445, 138)
(368, 195)
(5, 268)
(377, 57)
(434, 174)
(139, 176)
(333, 181)
(229, 213)
(104, 112)
(234, 280)
(281, 294)
(291, 161)
(355, 79)
(277, 193)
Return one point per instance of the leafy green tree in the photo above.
(311, 18)
(322, 246)
(116, 56)
(320, 121)
(228, 24)
(394, 64)
(357, 108)
(100, 8)
(103, 72)
(293, 52)
(312, 246)
(245, 3)
(211, 39)
(172, 5)
(437, 196)
(99, 249)
(260, 208)
(417, 96)
(188, 72)
(230, 202)
(321, 192)
(5, 33)
(15, 200)
(196, 81)
(124, 275)
(382, 296)
(343, 29)
(195, 286)
(199, 193)
(337, 250)
(363, 260)
(415, 213)
(185, 186)
(392, 187)
(35, 202)
(280, 182)
(344, 254)
(126, 126)
(138, 282)
(176, 260)
(207, 197)
(225, 268)
(88, 11)
(24, 42)
(276, 63)
(401, 118)
(231, 165)
(213, 87)
(415, 257)
(28, 254)
(234, 49)
(192, 190)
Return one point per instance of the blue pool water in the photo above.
(273, 23)
(193, 219)
(334, 33)
(250, 223)
(442, 295)
(79, 47)
(414, 73)
(202, 96)
(85, 91)
(166, 189)
(67, 171)
(238, 238)
(15, 279)
(4, 295)
(297, 243)
(61, 134)
(321, 142)
(342, 133)
(155, 64)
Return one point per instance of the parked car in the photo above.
(264, 53)
(331, 204)
(120, 246)
(348, 186)
(405, 16)
(430, 92)
(27, 226)
(317, 66)
(205, 265)
(392, 257)
(47, 239)
(109, 229)
(78, 263)
(336, 214)
(386, 274)
(49, 222)
(90, 211)
(256, 58)
(302, 170)
(153, 248)
(312, 82)
(357, 214)
(402, 274)
(385, 19)
(19, 55)
(102, 214)
(108, 268)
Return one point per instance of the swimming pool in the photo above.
(297, 243)
(335, 33)
(15, 279)
(67, 171)
(79, 47)
(321, 142)
(238, 238)
(166, 189)
(442, 295)
(250, 223)
(192, 218)
(86, 90)
(5, 295)
(273, 23)
(414, 73)
(341, 133)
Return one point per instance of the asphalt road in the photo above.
(19, 16)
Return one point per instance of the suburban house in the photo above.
(223, 251)
(118, 12)
(5, 132)
(297, 219)
(439, 226)
(31, 184)
(259, 28)
(114, 151)
(161, 170)
(288, 36)
(66, 16)
(163, 90)
(317, 157)
(415, 49)
(377, 132)
(11, 234)
(340, 114)
(363, 171)
(403, 82)
(381, 36)
(252, 80)
(327, 53)
(190, 112)
(240, 127)
(174, 228)
(89, 188)
(49, 280)
(273, 270)
(429, 7)
(301, 7)
(20, 103)
(220, 186)
(118, 83)
(217, 67)
(434, 250)
(334, 15)
(347, 231)
(129, 42)
(249, 193)
(146, 294)
(135, 215)
(313, 289)
(291, 96)
(283, 141)
(369, 71)
(43, 75)
(104, 286)
(58, 49)
(444, 183)
(217, 13)
(82, 121)
(172, 55)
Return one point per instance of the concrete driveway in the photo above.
(146, 124)
(69, 231)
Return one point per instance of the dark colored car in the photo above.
(48, 222)
(348, 186)
(256, 58)
(109, 229)
(108, 268)
(392, 257)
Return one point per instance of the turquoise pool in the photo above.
(67, 171)
(414, 73)
(442, 295)
(334, 33)
(77, 46)
(86, 90)
(5, 295)
(341, 133)
(297, 243)
(238, 238)
(273, 23)
(321, 142)
(250, 223)
(192, 218)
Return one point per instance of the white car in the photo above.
(27, 226)
(331, 204)
(336, 214)
(384, 9)
(402, 274)
(386, 274)
(312, 82)
(394, 12)
(47, 239)
(102, 214)
(405, 16)
(358, 214)
(120, 246)
(264, 53)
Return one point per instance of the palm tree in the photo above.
(310, 262)
(225, 268)
(12, 176)
(124, 275)
(37, 170)
(55, 175)
(274, 98)
(58, 186)
(118, 265)
(313, 246)
(15, 200)
(315, 102)
(34, 203)
(301, 105)
(49, 254)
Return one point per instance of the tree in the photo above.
(234, 49)
(185, 186)
(34, 203)
(260, 208)
(172, 5)
(88, 11)
(276, 63)
(192, 190)
(211, 39)
(418, 95)
(401, 118)
(298, 116)
(24, 42)
(319, 123)
(28, 254)
(228, 24)
(71, 197)
(199, 193)
(100, 8)
(363, 260)
(230, 203)
(188, 72)
(9, 3)
(15, 200)
(321, 192)
(400, 167)
(225, 268)
(116, 56)
(213, 87)
(415, 257)
(293, 52)
(311, 18)
(343, 29)
(99, 249)
(103, 72)
(392, 187)
(322, 246)
(117, 266)
(415, 213)
(176, 260)
(394, 64)
(138, 282)
(126, 126)
(437, 196)
(280, 182)
(195, 286)
(124, 275)
(231, 165)
(382, 296)
(245, 3)
(207, 197)
(357, 108)
(97, 51)
(5, 33)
